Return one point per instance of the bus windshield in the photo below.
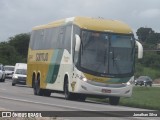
(107, 54)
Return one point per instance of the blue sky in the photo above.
(19, 16)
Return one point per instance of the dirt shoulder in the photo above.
(156, 81)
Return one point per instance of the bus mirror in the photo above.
(140, 50)
(78, 42)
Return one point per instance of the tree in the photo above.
(152, 39)
(143, 33)
(20, 42)
(15, 50)
(8, 54)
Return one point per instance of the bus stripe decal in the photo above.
(54, 66)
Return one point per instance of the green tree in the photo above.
(151, 39)
(20, 42)
(8, 54)
(143, 33)
(15, 50)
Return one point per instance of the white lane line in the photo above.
(48, 104)
(2, 89)
(4, 109)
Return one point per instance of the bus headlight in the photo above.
(83, 78)
(128, 83)
(131, 81)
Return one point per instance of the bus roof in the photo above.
(97, 24)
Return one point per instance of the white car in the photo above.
(9, 70)
(2, 73)
(20, 74)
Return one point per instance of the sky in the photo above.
(19, 16)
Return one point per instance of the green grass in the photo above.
(143, 97)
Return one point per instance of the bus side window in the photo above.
(54, 37)
(67, 38)
(37, 39)
(61, 38)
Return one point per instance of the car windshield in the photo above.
(21, 71)
(9, 68)
(107, 53)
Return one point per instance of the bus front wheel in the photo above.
(114, 100)
(68, 95)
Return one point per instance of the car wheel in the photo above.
(0, 80)
(145, 84)
(3, 79)
(13, 84)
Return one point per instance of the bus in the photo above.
(83, 57)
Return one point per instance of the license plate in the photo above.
(106, 91)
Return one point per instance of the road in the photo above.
(21, 98)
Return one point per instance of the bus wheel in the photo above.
(47, 93)
(37, 90)
(114, 100)
(68, 95)
(82, 98)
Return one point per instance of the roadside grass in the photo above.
(142, 97)
(146, 71)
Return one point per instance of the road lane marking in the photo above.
(55, 105)
(68, 107)
(2, 89)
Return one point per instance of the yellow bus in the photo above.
(81, 57)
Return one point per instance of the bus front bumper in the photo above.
(86, 88)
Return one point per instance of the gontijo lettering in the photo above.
(41, 56)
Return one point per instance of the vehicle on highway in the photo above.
(143, 80)
(81, 57)
(9, 70)
(20, 74)
(2, 73)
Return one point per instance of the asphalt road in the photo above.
(21, 98)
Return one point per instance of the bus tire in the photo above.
(114, 100)
(47, 93)
(82, 98)
(67, 94)
(36, 88)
